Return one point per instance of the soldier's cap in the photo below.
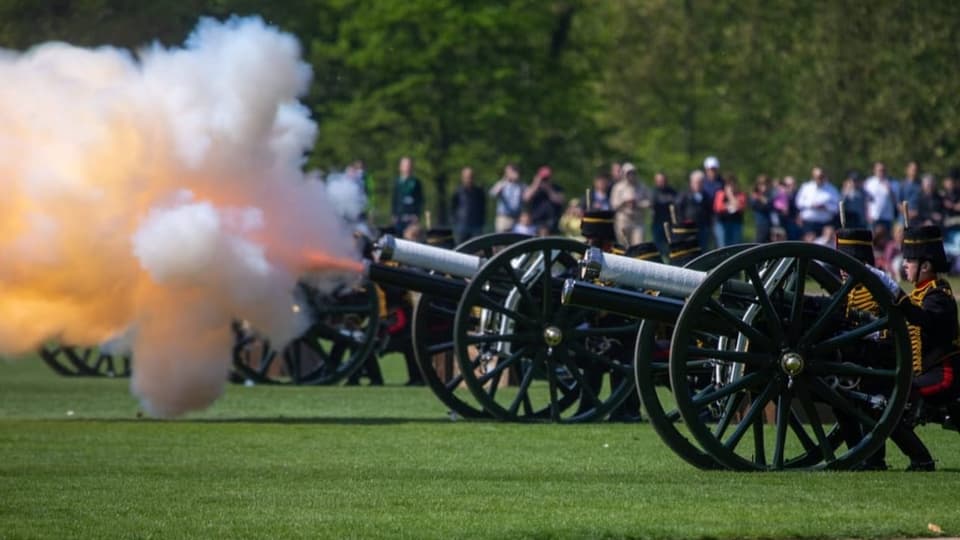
(388, 229)
(440, 237)
(925, 243)
(857, 243)
(684, 230)
(684, 250)
(598, 225)
(645, 251)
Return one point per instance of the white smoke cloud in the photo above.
(153, 199)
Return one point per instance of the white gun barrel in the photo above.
(445, 261)
(628, 272)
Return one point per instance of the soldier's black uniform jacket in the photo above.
(931, 314)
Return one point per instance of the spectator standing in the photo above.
(712, 184)
(951, 202)
(468, 208)
(508, 192)
(695, 207)
(761, 203)
(818, 202)
(616, 173)
(910, 187)
(630, 200)
(929, 203)
(663, 198)
(883, 196)
(785, 205)
(854, 201)
(407, 202)
(544, 200)
(728, 206)
(600, 193)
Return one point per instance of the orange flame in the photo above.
(318, 261)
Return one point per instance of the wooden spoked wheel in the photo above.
(771, 322)
(433, 344)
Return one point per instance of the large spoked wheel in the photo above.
(337, 344)
(72, 361)
(771, 323)
(527, 357)
(652, 375)
(433, 334)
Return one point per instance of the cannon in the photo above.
(769, 328)
(439, 276)
(72, 361)
(451, 340)
(342, 336)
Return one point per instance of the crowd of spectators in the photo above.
(719, 204)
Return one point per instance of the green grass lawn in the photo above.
(339, 462)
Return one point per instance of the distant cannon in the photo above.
(770, 329)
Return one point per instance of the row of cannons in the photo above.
(744, 357)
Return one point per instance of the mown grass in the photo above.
(387, 462)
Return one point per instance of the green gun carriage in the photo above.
(769, 328)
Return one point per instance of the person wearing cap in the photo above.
(685, 243)
(858, 243)
(630, 199)
(544, 199)
(664, 197)
(931, 313)
(596, 227)
(629, 410)
(713, 183)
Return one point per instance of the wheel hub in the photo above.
(552, 336)
(791, 363)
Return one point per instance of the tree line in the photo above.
(768, 86)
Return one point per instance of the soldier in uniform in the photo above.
(596, 227)
(629, 410)
(684, 246)
(931, 314)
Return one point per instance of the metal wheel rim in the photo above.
(647, 373)
(430, 337)
(528, 324)
(808, 384)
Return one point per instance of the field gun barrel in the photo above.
(621, 301)
(669, 280)
(414, 279)
(634, 304)
(415, 254)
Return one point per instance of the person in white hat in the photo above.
(712, 183)
(630, 200)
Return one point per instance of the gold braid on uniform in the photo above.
(916, 298)
(861, 299)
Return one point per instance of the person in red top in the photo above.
(728, 206)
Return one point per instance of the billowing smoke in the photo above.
(152, 199)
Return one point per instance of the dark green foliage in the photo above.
(770, 87)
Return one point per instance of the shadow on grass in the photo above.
(326, 420)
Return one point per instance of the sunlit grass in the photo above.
(339, 462)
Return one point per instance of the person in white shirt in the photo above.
(818, 202)
(883, 196)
